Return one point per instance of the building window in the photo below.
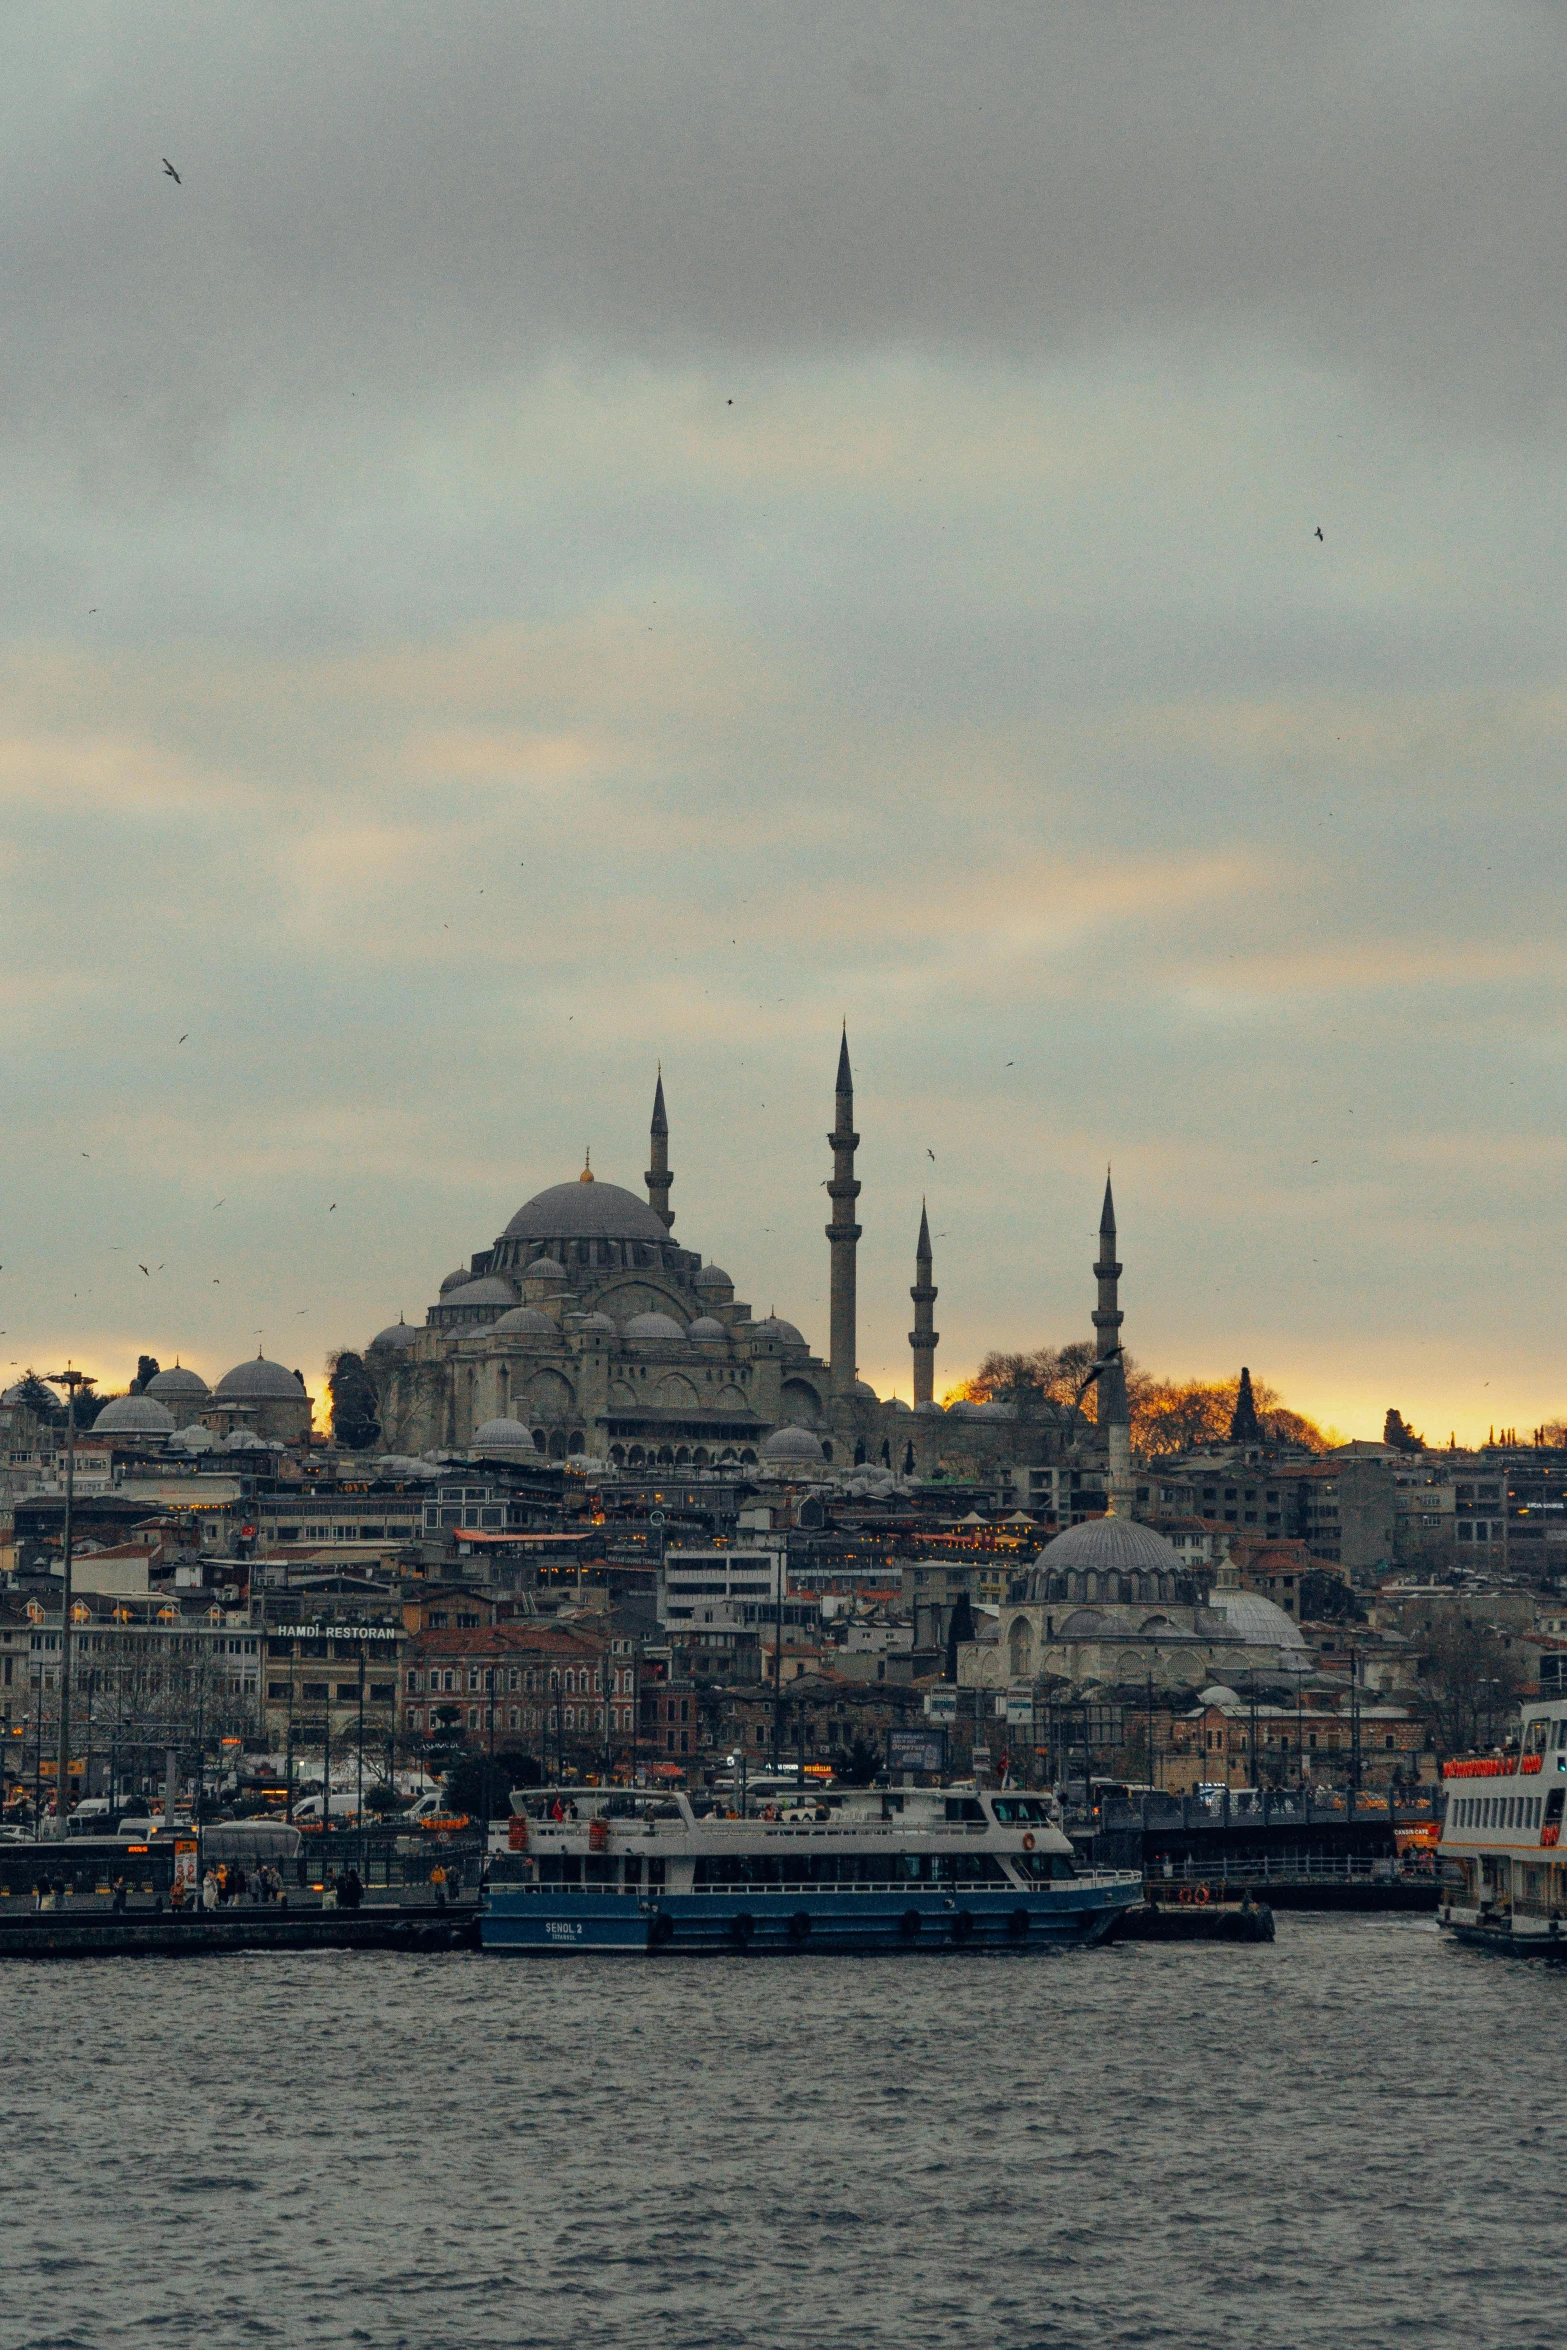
(473, 1717)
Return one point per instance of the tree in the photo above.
(859, 1766)
(482, 1788)
(1168, 1415)
(1470, 1683)
(355, 1414)
(1245, 1427)
(1397, 1433)
(147, 1368)
(33, 1396)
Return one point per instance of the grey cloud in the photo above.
(399, 197)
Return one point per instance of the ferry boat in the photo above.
(601, 1869)
(1502, 1865)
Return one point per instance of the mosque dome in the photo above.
(259, 1382)
(542, 1269)
(456, 1280)
(1109, 1558)
(585, 1211)
(864, 1387)
(895, 1403)
(489, 1290)
(648, 1328)
(134, 1415)
(396, 1335)
(791, 1444)
(597, 1322)
(502, 1436)
(1257, 1621)
(706, 1329)
(771, 1326)
(196, 1438)
(246, 1440)
(177, 1385)
(711, 1277)
(1216, 1693)
(525, 1322)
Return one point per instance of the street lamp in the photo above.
(70, 1380)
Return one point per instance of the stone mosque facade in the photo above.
(586, 1329)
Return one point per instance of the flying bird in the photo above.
(332, 1210)
(217, 1203)
(173, 174)
(1011, 1064)
(1319, 534)
(142, 1268)
(930, 1154)
(184, 1038)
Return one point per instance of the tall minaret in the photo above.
(658, 1177)
(843, 1191)
(1114, 1411)
(922, 1338)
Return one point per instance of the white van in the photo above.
(345, 1810)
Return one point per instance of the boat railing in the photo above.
(1296, 1868)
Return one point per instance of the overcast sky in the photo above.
(588, 534)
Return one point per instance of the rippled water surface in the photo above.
(1348, 2138)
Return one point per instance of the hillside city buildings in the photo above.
(613, 1522)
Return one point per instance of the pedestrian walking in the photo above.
(211, 1890)
(120, 1890)
(438, 1880)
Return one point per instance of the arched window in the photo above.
(1020, 1650)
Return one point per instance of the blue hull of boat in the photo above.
(805, 1920)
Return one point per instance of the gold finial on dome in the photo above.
(587, 1165)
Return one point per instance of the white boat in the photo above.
(1502, 1865)
(599, 1869)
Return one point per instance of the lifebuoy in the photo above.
(1200, 1893)
(1028, 1841)
(1185, 1896)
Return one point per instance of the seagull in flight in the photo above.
(1319, 534)
(183, 1038)
(173, 174)
(141, 1268)
(930, 1154)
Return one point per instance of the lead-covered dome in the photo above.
(176, 1386)
(585, 1211)
(133, 1415)
(792, 1444)
(773, 1326)
(648, 1328)
(1257, 1621)
(456, 1280)
(1112, 1559)
(393, 1338)
(259, 1382)
(489, 1290)
(706, 1330)
(502, 1436)
(526, 1322)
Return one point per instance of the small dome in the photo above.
(1257, 1621)
(1217, 1694)
(246, 1440)
(597, 1322)
(792, 1444)
(930, 1407)
(489, 1290)
(526, 1322)
(864, 1387)
(196, 1438)
(707, 1330)
(395, 1337)
(176, 1383)
(542, 1269)
(1120, 1545)
(502, 1436)
(711, 1277)
(260, 1382)
(895, 1403)
(133, 1415)
(772, 1327)
(457, 1280)
(647, 1328)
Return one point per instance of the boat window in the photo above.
(1044, 1867)
(510, 1868)
(633, 1870)
(1028, 1811)
(655, 1872)
(1561, 1731)
(1535, 1736)
(965, 1807)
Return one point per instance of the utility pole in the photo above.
(70, 1380)
(359, 1793)
(778, 1573)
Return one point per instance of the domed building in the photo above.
(589, 1327)
(1112, 1605)
(181, 1392)
(263, 1398)
(134, 1415)
(589, 1324)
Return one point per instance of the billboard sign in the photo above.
(941, 1705)
(916, 1750)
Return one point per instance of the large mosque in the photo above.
(586, 1328)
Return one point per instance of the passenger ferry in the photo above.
(1501, 1861)
(598, 1869)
